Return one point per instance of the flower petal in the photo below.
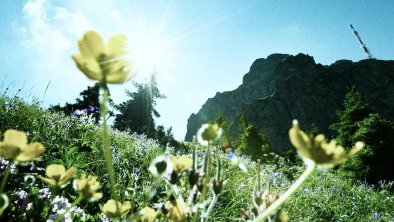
(49, 181)
(89, 67)
(117, 77)
(126, 206)
(147, 214)
(110, 208)
(70, 173)
(299, 139)
(181, 163)
(87, 186)
(117, 45)
(91, 45)
(55, 171)
(30, 152)
(15, 138)
(119, 71)
(9, 151)
(357, 147)
(95, 197)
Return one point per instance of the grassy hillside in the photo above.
(76, 142)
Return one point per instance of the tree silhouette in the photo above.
(359, 122)
(137, 114)
(251, 142)
(355, 110)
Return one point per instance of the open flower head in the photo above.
(161, 166)
(103, 62)
(88, 186)
(325, 154)
(15, 147)
(57, 175)
(148, 214)
(208, 132)
(115, 209)
(181, 164)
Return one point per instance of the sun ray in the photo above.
(156, 47)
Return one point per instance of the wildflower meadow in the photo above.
(58, 167)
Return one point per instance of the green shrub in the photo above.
(251, 142)
(354, 110)
(358, 122)
(375, 161)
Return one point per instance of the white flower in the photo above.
(161, 165)
(60, 204)
(199, 135)
(237, 162)
(208, 132)
(29, 206)
(242, 167)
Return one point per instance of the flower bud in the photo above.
(193, 178)
(218, 186)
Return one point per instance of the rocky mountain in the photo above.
(283, 87)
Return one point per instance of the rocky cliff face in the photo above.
(281, 88)
(258, 82)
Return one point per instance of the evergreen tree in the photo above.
(375, 161)
(166, 137)
(358, 122)
(163, 136)
(355, 110)
(137, 113)
(251, 142)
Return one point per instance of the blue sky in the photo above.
(198, 48)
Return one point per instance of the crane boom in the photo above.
(363, 46)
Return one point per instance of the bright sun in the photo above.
(149, 51)
(155, 46)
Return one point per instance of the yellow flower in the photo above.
(88, 187)
(15, 147)
(103, 62)
(176, 211)
(181, 164)
(57, 175)
(114, 209)
(148, 214)
(317, 149)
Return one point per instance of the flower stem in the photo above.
(205, 181)
(5, 178)
(54, 190)
(258, 175)
(192, 192)
(207, 169)
(211, 205)
(105, 137)
(77, 201)
(275, 206)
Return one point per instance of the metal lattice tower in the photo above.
(363, 46)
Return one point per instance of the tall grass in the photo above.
(326, 196)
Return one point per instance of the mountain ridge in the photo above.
(283, 87)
